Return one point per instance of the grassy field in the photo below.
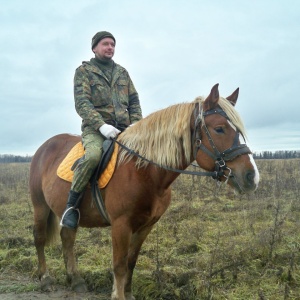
(211, 244)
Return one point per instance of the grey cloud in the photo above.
(173, 54)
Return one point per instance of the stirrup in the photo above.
(72, 207)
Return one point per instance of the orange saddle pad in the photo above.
(64, 170)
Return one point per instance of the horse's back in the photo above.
(47, 159)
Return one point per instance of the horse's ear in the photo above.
(212, 99)
(233, 97)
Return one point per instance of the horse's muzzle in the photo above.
(244, 184)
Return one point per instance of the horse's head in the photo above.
(219, 145)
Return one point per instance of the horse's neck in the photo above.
(163, 178)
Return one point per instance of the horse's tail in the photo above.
(52, 229)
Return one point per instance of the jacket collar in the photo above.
(118, 70)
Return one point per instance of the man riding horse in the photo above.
(107, 102)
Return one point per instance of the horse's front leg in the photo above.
(68, 239)
(137, 241)
(121, 236)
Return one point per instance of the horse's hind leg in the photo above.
(42, 218)
(68, 239)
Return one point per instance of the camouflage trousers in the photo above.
(92, 143)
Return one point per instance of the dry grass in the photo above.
(210, 244)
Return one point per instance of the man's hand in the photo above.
(109, 131)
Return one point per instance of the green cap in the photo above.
(101, 35)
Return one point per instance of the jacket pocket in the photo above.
(100, 93)
(122, 86)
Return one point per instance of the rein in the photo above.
(130, 151)
(220, 158)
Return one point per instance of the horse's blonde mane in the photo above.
(164, 137)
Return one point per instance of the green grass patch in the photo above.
(210, 244)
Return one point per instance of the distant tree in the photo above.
(10, 158)
(279, 154)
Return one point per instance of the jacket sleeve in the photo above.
(82, 97)
(134, 108)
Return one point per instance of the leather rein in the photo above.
(220, 158)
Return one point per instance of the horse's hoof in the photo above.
(129, 296)
(47, 284)
(78, 285)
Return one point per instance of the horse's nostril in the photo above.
(250, 176)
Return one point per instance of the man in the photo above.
(107, 102)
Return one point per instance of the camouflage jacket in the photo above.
(97, 101)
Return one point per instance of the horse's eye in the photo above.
(219, 130)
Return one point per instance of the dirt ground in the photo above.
(61, 292)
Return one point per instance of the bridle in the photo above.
(220, 158)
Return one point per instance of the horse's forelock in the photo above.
(233, 115)
(230, 111)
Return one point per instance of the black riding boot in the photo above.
(70, 217)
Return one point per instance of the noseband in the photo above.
(220, 158)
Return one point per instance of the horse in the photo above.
(153, 154)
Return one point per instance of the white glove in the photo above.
(109, 131)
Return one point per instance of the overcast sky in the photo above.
(174, 50)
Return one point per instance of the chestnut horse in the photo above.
(206, 130)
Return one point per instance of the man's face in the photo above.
(105, 49)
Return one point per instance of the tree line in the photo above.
(281, 154)
(10, 158)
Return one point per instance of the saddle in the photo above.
(104, 170)
(101, 176)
